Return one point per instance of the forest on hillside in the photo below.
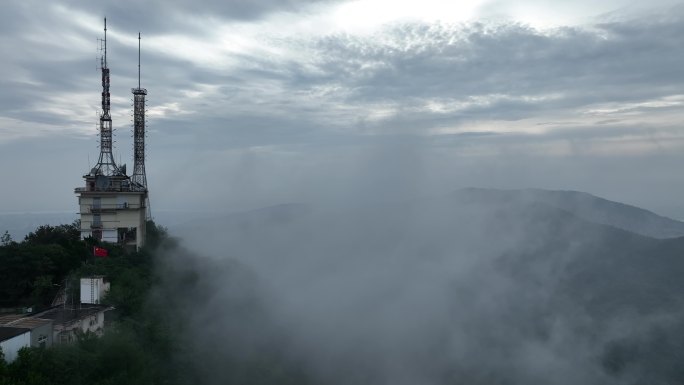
(143, 342)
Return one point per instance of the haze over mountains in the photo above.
(582, 205)
(477, 287)
(587, 207)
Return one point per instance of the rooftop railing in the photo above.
(112, 207)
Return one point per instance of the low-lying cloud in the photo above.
(461, 289)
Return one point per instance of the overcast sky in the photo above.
(252, 103)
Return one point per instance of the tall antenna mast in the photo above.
(105, 163)
(139, 179)
(138, 59)
(114, 207)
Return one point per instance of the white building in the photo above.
(12, 340)
(41, 329)
(112, 210)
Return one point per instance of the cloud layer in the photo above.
(269, 84)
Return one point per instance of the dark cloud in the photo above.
(158, 16)
(325, 106)
(480, 72)
(154, 16)
(624, 61)
(476, 72)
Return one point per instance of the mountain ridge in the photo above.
(589, 207)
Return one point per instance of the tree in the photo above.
(156, 236)
(63, 235)
(6, 239)
(44, 290)
(50, 253)
(3, 365)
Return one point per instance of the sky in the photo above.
(255, 103)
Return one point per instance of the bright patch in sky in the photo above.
(366, 15)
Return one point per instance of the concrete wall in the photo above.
(10, 347)
(91, 324)
(42, 336)
(117, 210)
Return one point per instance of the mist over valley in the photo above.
(478, 286)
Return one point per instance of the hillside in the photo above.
(586, 206)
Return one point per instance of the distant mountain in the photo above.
(600, 244)
(588, 207)
(580, 204)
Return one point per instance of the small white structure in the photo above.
(12, 340)
(93, 289)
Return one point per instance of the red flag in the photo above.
(100, 252)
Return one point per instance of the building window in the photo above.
(42, 340)
(127, 234)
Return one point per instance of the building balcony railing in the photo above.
(112, 207)
(100, 224)
(123, 187)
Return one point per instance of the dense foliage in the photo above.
(35, 269)
(136, 347)
(143, 343)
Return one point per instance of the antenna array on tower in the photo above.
(105, 164)
(139, 178)
(114, 207)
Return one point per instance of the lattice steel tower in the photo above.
(139, 179)
(105, 164)
(114, 207)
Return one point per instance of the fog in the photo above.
(446, 288)
(318, 165)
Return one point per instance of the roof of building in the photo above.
(5, 319)
(21, 321)
(7, 332)
(62, 315)
(94, 277)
